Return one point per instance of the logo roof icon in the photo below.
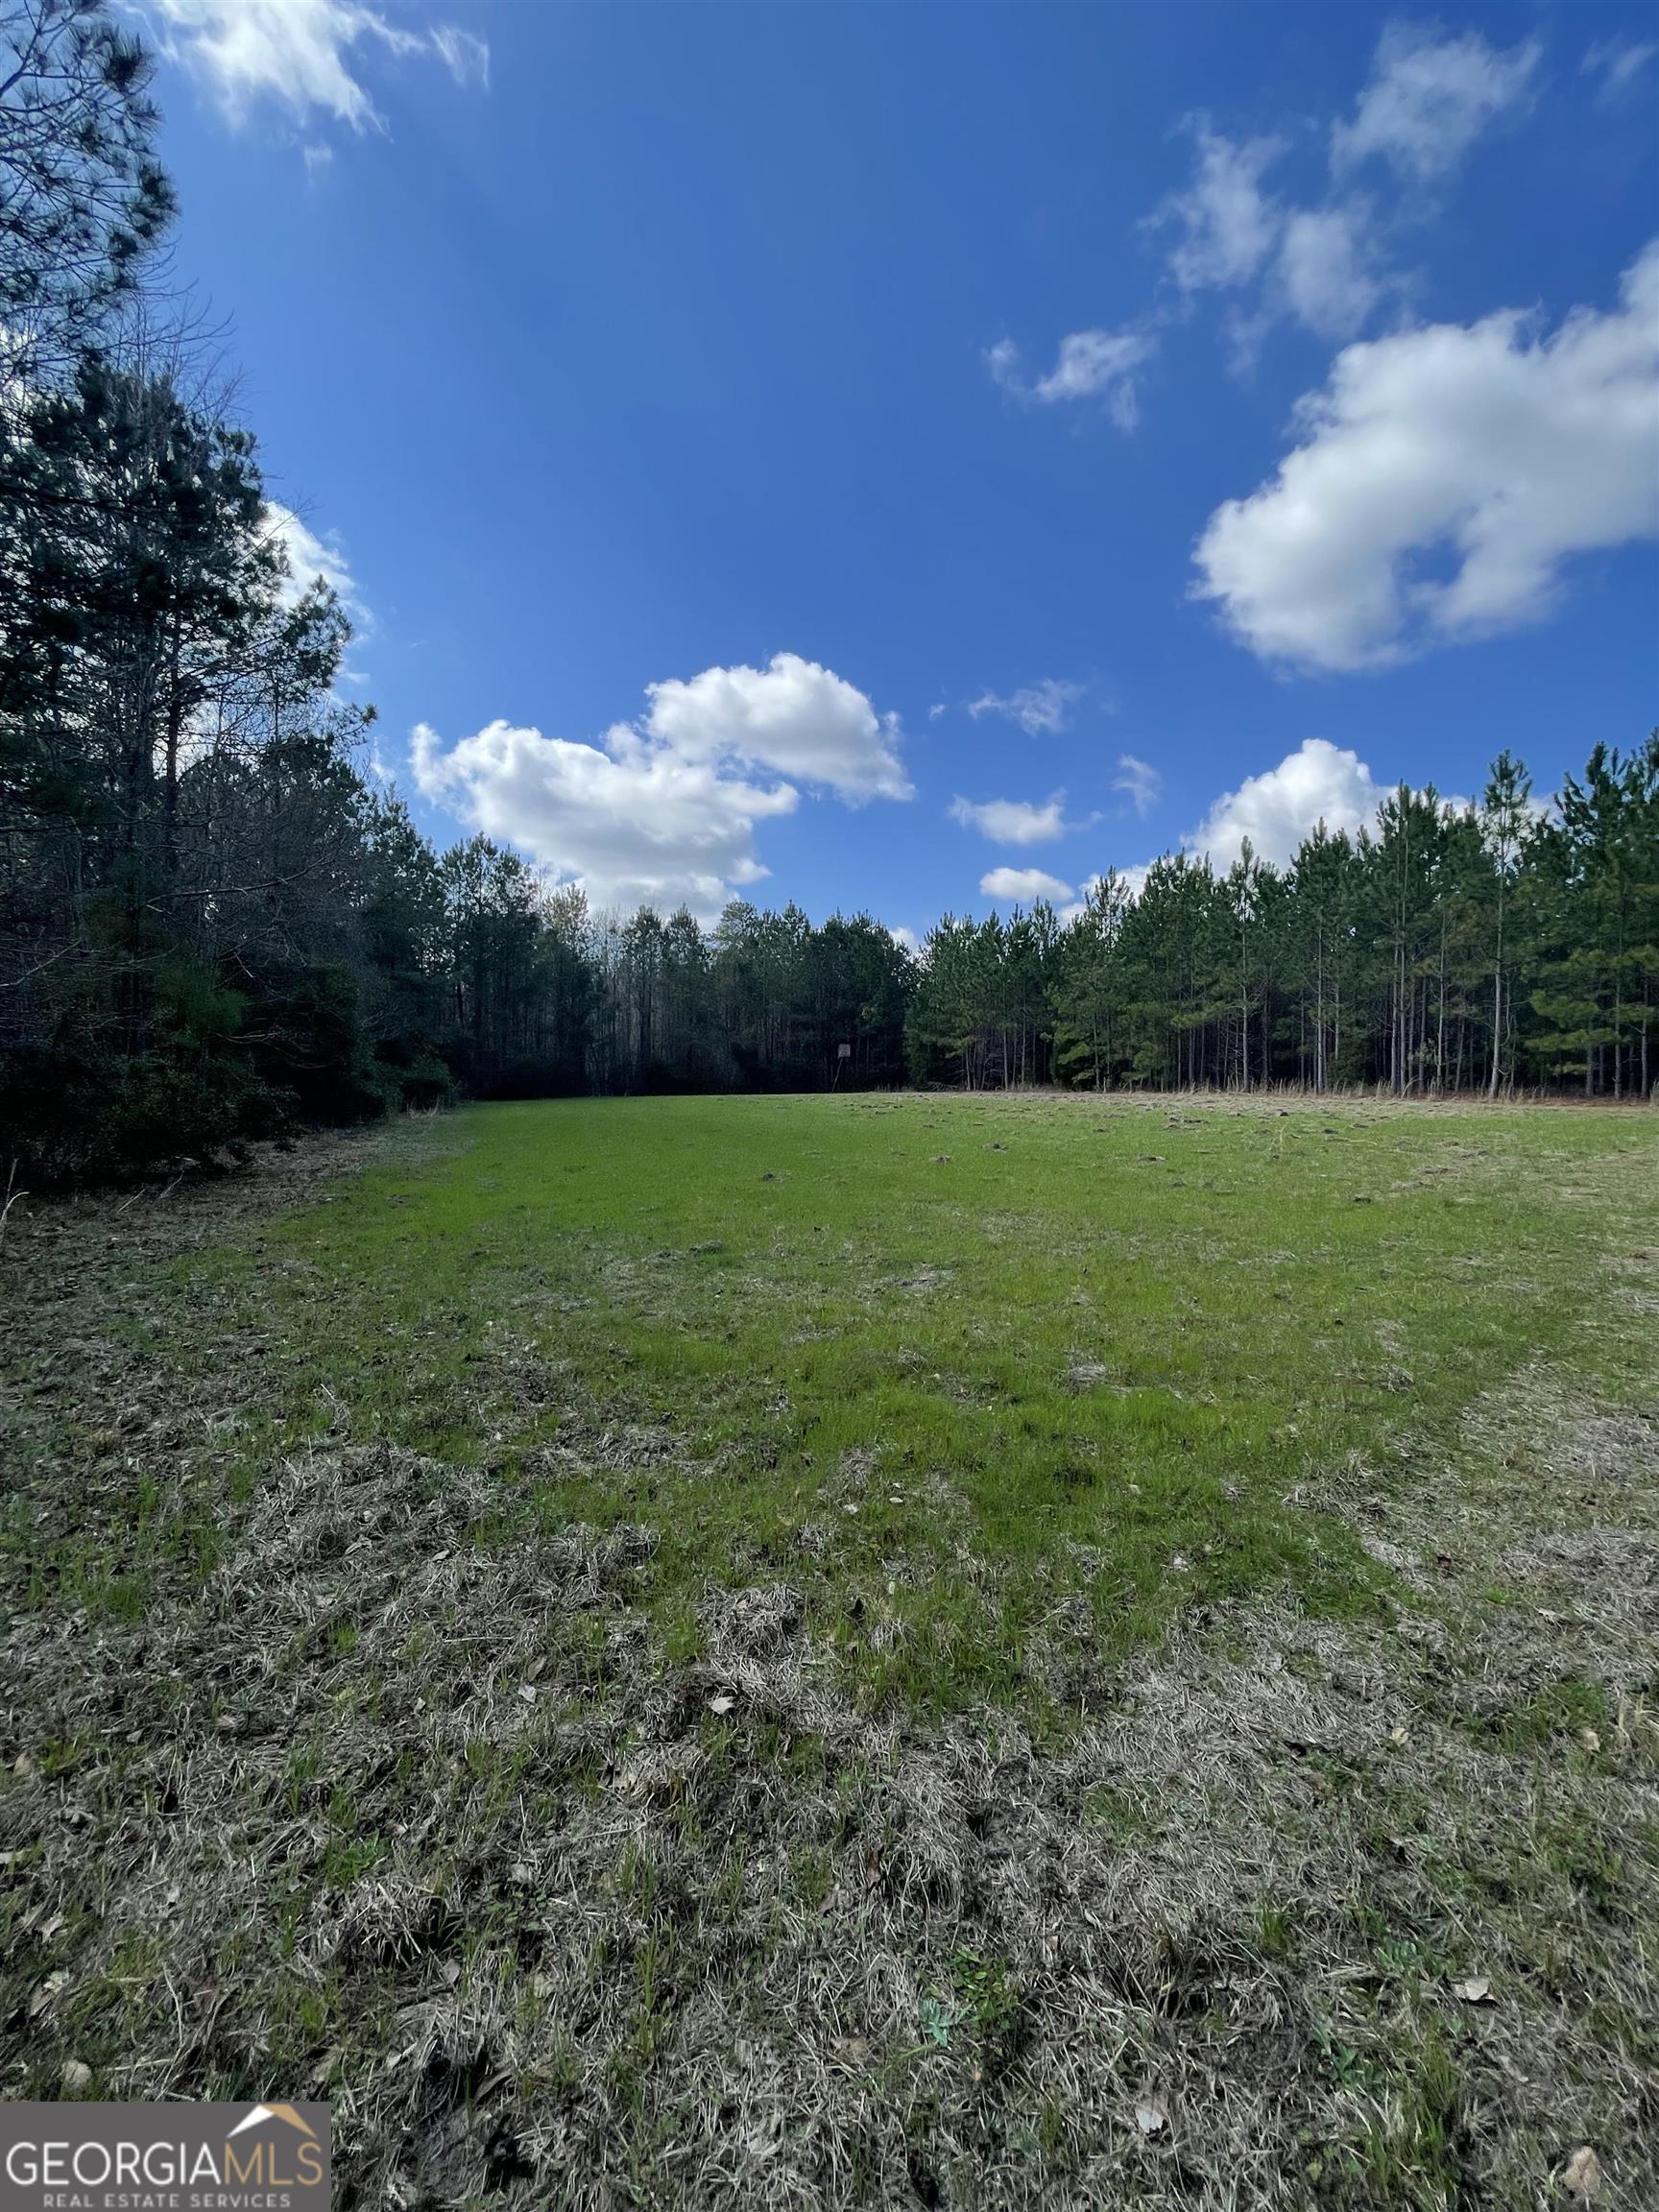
(260, 2113)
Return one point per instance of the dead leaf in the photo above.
(1151, 2119)
(721, 1704)
(46, 1991)
(1474, 1990)
(1582, 2174)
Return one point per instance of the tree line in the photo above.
(216, 924)
(1486, 948)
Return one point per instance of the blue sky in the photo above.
(779, 449)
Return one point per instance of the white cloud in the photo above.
(792, 716)
(1089, 365)
(1487, 448)
(302, 53)
(1002, 360)
(1430, 97)
(1014, 821)
(634, 822)
(464, 56)
(311, 555)
(1024, 886)
(903, 934)
(1313, 263)
(1618, 62)
(1140, 783)
(1043, 708)
(664, 811)
(1324, 270)
(1228, 224)
(1276, 810)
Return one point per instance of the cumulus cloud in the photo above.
(1276, 810)
(632, 822)
(1042, 710)
(1140, 783)
(1428, 98)
(1227, 223)
(1024, 886)
(301, 54)
(1089, 365)
(1443, 478)
(664, 810)
(792, 716)
(1014, 821)
(310, 556)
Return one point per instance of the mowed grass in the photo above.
(937, 1360)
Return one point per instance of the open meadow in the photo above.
(875, 1649)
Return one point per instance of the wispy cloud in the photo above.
(1140, 783)
(1226, 223)
(305, 55)
(1089, 365)
(1043, 708)
(1618, 62)
(1430, 97)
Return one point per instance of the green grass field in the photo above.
(855, 1650)
(930, 1326)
